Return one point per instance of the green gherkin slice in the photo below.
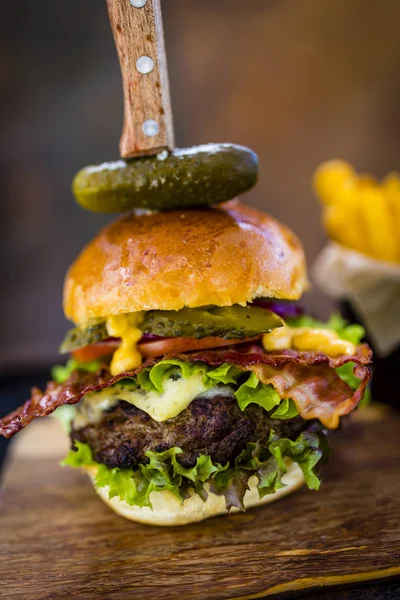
(79, 337)
(193, 177)
(230, 322)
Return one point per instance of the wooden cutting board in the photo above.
(58, 540)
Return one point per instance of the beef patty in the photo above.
(210, 425)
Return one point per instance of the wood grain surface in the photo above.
(138, 32)
(58, 540)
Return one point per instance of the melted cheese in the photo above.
(177, 396)
(127, 356)
(306, 338)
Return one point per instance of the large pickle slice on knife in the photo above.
(194, 177)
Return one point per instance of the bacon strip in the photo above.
(43, 404)
(318, 392)
(250, 354)
(308, 378)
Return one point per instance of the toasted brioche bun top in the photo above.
(221, 256)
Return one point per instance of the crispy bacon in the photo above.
(309, 378)
(44, 403)
(317, 391)
(250, 354)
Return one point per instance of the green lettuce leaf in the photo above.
(232, 484)
(257, 459)
(164, 471)
(60, 373)
(81, 456)
(266, 396)
(153, 378)
(286, 410)
(120, 483)
(224, 374)
(65, 415)
(305, 451)
(253, 391)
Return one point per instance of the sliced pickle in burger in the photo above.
(228, 322)
(80, 337)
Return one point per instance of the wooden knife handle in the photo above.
(138, 33)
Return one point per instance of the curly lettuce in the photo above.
(286, 410)
(163, 471)
(252, 390)
(266, 396)
(65, 415)
(60, 373)
(153, 378)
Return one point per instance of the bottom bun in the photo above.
(168, 510)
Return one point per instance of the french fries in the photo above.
(360, 212)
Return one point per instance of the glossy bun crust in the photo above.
(169, 511)
(221, 256)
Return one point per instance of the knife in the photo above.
(139, 37)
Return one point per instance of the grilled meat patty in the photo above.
(212, 425)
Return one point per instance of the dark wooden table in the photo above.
(58, 540)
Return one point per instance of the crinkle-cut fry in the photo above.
(360, 212)
(335, 220)
(332, 177)
(342, 222)
(380, 234)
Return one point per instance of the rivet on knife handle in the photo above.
(139, 38)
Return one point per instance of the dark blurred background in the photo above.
(300, 81)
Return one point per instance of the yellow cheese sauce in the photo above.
(306, 338)
(177, 396)
(127, 356)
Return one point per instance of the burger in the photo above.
(196, 385)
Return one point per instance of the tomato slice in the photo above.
(95, 351)
(181, 344)
(155, 348)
